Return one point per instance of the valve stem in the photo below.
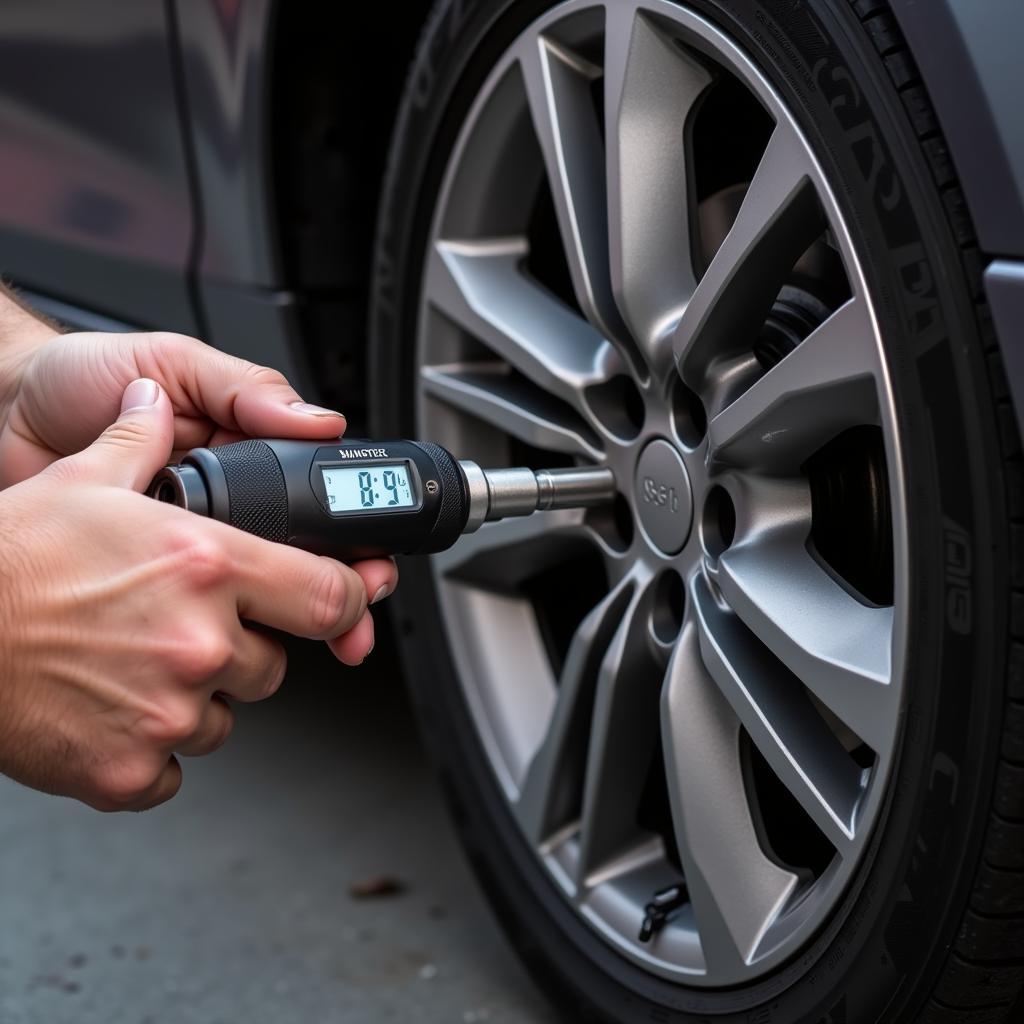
(658, 910)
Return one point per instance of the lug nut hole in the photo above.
(689, 419)
(669, 603)
(618, 404)
(718, 525)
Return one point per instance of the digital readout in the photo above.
(350, 488)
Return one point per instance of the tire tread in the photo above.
(982, 980)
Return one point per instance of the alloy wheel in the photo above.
(691, 699)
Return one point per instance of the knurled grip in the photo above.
(454, 510)
(257, 496)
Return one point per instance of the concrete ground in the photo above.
(232, 902)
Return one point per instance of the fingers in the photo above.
(195, 724)
(135, 446)
(268, 406)
(303, 594)
(353, 647)
(379, 576)
(255, 672)
(167, 785)
(257, 669)
(135, 786)
(214, 728)
(239, 395)
(307, 595)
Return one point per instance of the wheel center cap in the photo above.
(664, 499)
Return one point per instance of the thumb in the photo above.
(137, 444)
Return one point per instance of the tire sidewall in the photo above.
(883, 947)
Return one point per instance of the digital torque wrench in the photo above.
(360, 499)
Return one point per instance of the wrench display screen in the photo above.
(368, 486)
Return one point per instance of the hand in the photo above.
(123, 617)
(68, 389)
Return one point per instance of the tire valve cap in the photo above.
(657, 912)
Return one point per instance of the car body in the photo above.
(242, 172)
(152, 171)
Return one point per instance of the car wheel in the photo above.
(740, 746)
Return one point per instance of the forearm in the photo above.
(22, 331)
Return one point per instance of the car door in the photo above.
(95, 210)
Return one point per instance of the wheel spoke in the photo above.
(781, 720)
(514, 406)
(735, 889)
(651, 87)
(552, 792)
(778, 219)
(838, 647)
(479, 286)
(623, 738)
(558, 86)
(827, 383)
(720, 734)
(500, 555)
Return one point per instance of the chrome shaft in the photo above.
(500, 493)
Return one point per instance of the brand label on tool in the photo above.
(363, 453)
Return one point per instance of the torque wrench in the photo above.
(361, 499)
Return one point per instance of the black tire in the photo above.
(932, 929)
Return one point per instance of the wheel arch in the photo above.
(336, 76)
(967, 57)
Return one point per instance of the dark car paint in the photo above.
(95, 206)
(134, 144)
(968, 53)
(136, 147)
(226, 58)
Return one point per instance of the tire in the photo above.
(929, 925)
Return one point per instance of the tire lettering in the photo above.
(867, 148)
(959, 566)
(841, 77)
(920, 299)
(944, 767)
(844, 98)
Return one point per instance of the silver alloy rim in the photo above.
(741, 639)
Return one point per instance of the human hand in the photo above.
(123, 618)
(68, 389)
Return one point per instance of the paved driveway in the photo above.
(232, 904)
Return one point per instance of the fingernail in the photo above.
(382, 592)
(369, 651)
(314, 410)
(140, 394)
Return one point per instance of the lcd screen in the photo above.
(353, 488)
